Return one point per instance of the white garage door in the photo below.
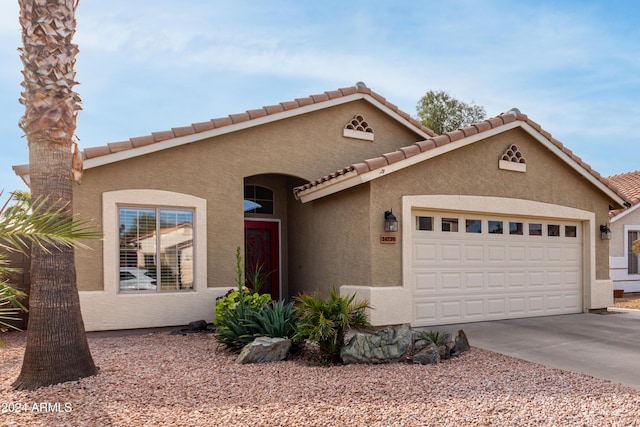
(468, 268)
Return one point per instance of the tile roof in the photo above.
(247, 116)
(629, 185)
(449, 137)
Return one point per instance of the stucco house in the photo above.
(497, 220)
(625, 229)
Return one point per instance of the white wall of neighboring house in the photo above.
(622, 225)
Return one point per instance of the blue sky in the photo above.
(149, 65)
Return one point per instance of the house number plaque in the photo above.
(387, 239)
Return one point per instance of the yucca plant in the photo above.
(327, 321)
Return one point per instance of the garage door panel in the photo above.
(463, 276)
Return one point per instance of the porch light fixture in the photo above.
(390, 222)
(605, 232)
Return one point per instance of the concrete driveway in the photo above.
(601, 345)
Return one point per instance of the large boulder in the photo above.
(461, 343)
(429, 355)
(384, 346)
(265, 349)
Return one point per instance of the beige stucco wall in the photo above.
(306, 146)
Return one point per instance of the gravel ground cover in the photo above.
(628, 301)
(167, 380)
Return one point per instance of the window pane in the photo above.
(260, 195)
(473, 226)
(515, 228)
(450, 224)
(424, 223)
(535, 229)
(176, 249)
(495, 227)
(137, 238)
(632, 258)
(553, 230)
(570, 231)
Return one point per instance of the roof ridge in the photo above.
(220, 122)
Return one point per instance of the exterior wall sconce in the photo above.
(390, 222)
(605, 232)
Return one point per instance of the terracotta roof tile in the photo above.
(218, 123)
(425, 145)
(507, 118)
(376, 162)
(254, 114)
(205, 126)
(348, 90)
(628, 183)
(163, 136)
(274, 109)
(394, 156)
(302, 102)
(495, 122)
(320, 97)
(332, 94)
(240, 117)
(469, 130)
(501, 120)
(92, 152)
(141, 141)
(183, 131)
(410, 150)
(455, 135)
(482, 126)
(114, 147)
(441, 140)
(289, 105)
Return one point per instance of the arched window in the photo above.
(260, 195)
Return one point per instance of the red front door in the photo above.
(262, 253)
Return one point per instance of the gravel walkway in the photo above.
(164, 380)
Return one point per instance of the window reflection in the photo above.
(156, 249)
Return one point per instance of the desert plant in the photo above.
(434, 337)
(241, 325)
(327, 321)
(276, 320)
(232, 299)
(234, 329)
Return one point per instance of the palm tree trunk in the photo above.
(57, 349)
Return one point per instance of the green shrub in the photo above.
(434, 337)
(241, 325)
(232, 299)
(327, 321)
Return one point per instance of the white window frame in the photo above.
(113, 200)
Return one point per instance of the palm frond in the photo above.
(24, 222)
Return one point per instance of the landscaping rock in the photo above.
(384, 346)
(461, 343)
(429, 355)
(265, 349)
(198, 325)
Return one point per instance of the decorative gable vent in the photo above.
(513, 160)
(358, 128)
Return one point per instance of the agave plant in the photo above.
(327, 321)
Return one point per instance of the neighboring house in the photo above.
(625, 229)
(497, 220)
